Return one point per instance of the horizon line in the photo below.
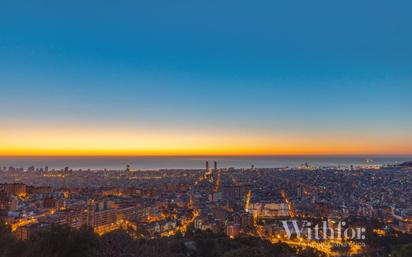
(204, 155)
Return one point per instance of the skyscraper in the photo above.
(128, 170)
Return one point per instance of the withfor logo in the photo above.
(323, 231)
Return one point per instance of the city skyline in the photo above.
(205, 128)
(138, 79)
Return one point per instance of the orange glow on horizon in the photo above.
(146, 142)
(291, 151)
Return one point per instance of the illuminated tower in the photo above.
(207, 171)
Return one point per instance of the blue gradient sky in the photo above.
(292, 72)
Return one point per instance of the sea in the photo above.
(181, 162)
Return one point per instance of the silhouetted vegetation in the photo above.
(388, 245)
(63, 241)
(403, 251)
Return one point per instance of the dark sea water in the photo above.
(152, 163)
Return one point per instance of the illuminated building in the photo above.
(235, 192)
(100, 215)
(17, 189)
(8, 202)
(246, 220)
(269, 210)
(49, 202)
(233, 230)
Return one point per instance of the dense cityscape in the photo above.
(233, 203)
(205, 128)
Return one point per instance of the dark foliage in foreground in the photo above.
(63, 241)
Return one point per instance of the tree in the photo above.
(63, 241)
(244, 252)
(404, 251)
(9, 245)
(116, 244)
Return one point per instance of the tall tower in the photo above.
(299, 191)
(215, 166)
(128, 170)
(91, 212)
(207, 171)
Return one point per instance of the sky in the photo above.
(205, 77)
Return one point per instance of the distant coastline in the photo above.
(195, 162)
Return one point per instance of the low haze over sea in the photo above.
(153, 163)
